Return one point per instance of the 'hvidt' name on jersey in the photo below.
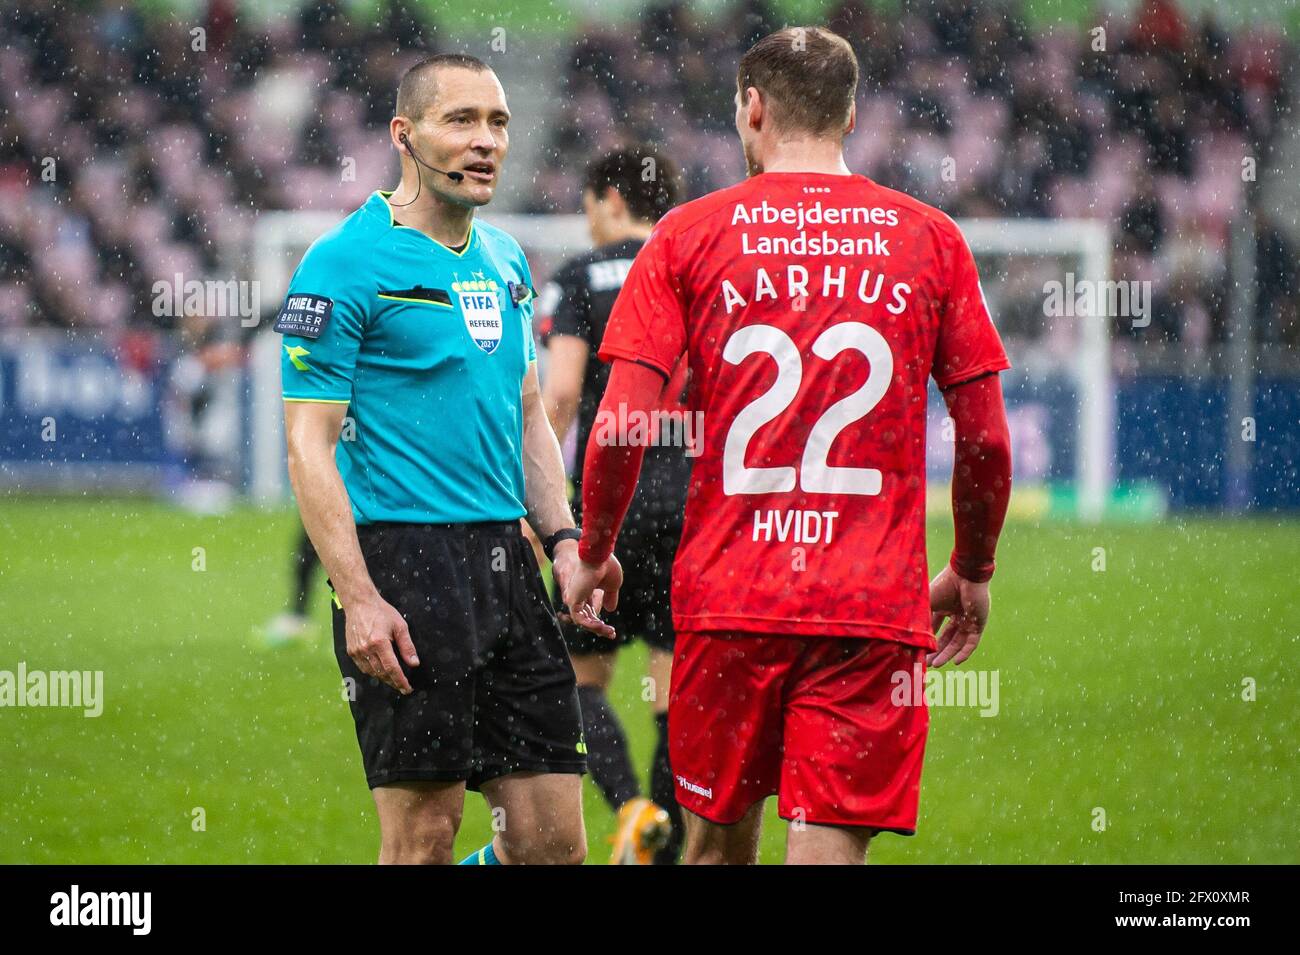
(801, 527)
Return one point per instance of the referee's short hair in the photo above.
(419, 86)
(648, 181)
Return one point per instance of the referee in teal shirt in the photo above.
(415, 322)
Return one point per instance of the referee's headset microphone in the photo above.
(453, 176)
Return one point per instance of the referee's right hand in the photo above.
(373, 626)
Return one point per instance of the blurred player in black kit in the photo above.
(624, 194)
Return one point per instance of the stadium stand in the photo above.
(159, 159)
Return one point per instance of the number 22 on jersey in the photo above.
(814, 476)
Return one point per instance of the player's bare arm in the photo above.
(565, 370)
(373, 626)
(981, 488)
(547, 500)
(548, 506)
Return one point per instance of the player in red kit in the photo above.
(813, 306)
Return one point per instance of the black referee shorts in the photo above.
(494, 692)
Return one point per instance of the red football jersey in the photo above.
(812, 308)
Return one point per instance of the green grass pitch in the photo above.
(1120, 690)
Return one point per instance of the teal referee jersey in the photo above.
(428, 348)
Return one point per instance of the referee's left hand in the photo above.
(587, 588)
(373, 627)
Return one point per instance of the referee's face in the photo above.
(464, 130)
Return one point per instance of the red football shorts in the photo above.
(815, 720)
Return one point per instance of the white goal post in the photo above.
(279, 240)
(1088, 240)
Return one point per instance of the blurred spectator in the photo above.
(1147, 133)
(132, 152)
(175, 140)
